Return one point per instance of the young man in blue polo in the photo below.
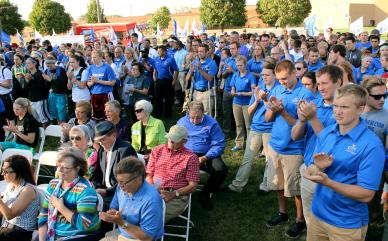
(285, 153)
(348, 164)
(313, 117)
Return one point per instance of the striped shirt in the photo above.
(82, 200)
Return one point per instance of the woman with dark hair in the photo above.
(310, 82)
(135, 88)
(255, 64)
(69, 209)
(77, 79)
(20, 204)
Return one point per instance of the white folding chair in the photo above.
(48, 158)
(42, 139)
(141, 157)
(100, 204)
(41, 190)
(51, 130)
(13, 151)
(188, 223)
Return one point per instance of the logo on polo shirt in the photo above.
(295, 101)
(351, 149)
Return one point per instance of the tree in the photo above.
(283, 12)
(11, 20)
(161, 16)
(91, 14)
(223, 13)
(47, 16)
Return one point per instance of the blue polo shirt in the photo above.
(205, 138)
(326, 117)
(209, 66)
(242, 84)
(103, 72)
(381, 71)
(171, 52)
(165, 67)
(358, 75)
(315, 67)
(258, 123)
(244, 51)
(281, 140)
(143, 209)
(232, 62)
(255, 66)
(361, 46)
(358, 160)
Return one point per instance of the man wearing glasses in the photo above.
(112, 151)
(174, 170)
(136, 208)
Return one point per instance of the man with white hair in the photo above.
(174, 170)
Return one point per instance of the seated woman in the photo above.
(148, 132)
(83, 116)
(20, 205)
(80, 138)
(26, 129)
(69, 208)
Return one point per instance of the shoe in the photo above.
(228, 189)
(260, 192)
(296, 229)
(205, 201)
(235, 148)
(280, 218)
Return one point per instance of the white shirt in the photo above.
(78, 94)
(7, 76)
(109, 165)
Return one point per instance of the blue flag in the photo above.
(92, 34)
(203, 28)
(311, 26)
(175, 28)
(5, 37)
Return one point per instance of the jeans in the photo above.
(217, 171)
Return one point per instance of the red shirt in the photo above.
(174, 169)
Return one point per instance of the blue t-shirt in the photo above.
(381, 71)
(358, 75)
(258, 123)
(255, 66)
(361, 46)
(103, 72)
(315, 67)
(242, 84)
(281, 140)
(143, 209)
(205, 138)
(326, 117)
(232, 62)
(209, 66)
(358, 160)
(165, 67)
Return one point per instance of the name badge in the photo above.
(135, 132)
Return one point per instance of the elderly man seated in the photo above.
(206, 140)
(174, 170)
(136, 208)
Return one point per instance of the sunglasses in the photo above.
(77, 138)
(378, 97)
(139, 110)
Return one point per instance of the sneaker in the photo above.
(296, 229)
(235, 148)
(260, 192)
(280, 218)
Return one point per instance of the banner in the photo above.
(357, 26)
(63, 39)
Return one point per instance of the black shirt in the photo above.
(37, 87)
(28, 125)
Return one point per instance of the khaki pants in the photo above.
(204, 98)
(287, 175)
(255, 141)
(243, 123)
(175, 207)
(321, 231)
(307, 189)
(114, 236)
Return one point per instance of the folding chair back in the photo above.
(48, 158)
(100, 204)
(13, 151)
(53, 130)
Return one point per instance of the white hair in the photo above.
(145, 105)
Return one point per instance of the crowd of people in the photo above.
(313, 107)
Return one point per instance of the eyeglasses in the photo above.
(64, 168)
(7, 171)
(138, 110)
(378, 97)
(77, 138)
(123, 183)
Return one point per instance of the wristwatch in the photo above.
(177, 193)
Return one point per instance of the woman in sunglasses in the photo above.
(148, 132)
(69, 209)
(20, 204)
(80, 138)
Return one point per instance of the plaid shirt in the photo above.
(173, 169)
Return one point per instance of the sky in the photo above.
(115, 7)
